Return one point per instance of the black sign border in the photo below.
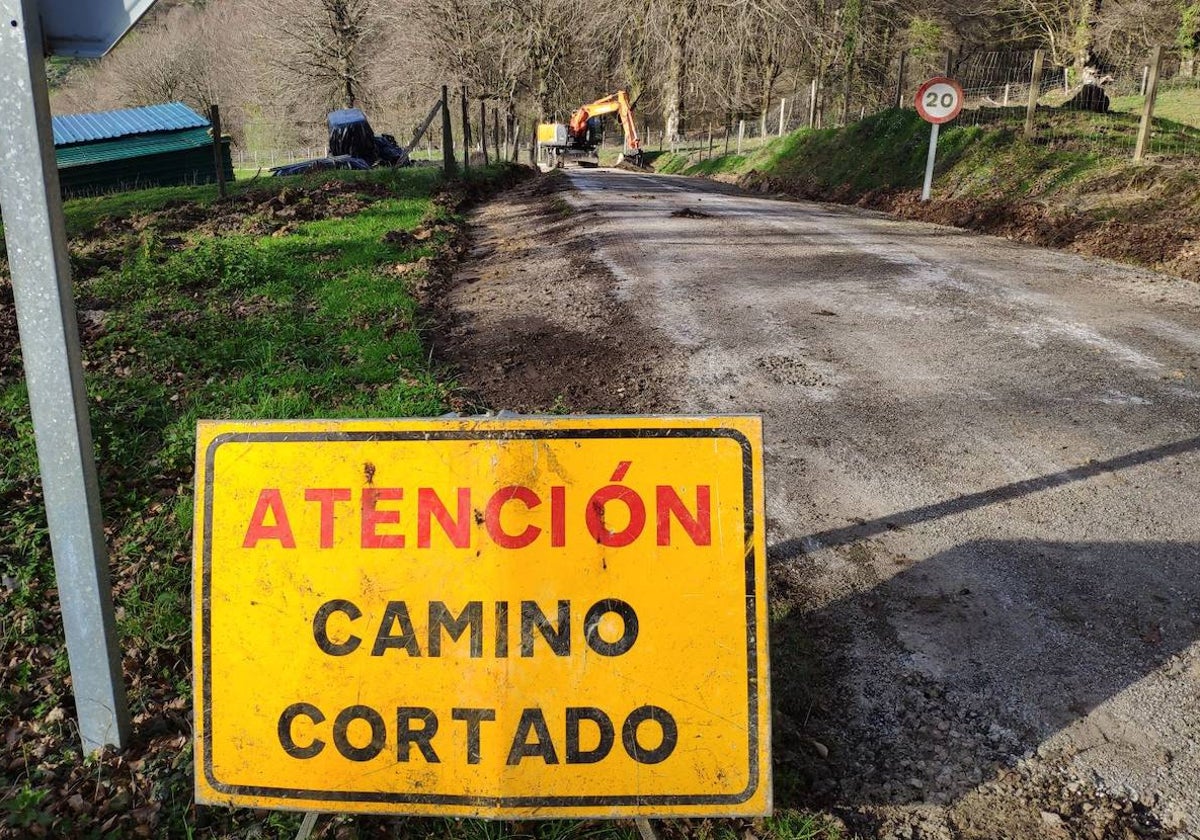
(496, 802)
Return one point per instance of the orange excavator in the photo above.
(580, 138)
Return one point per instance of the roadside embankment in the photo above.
(1060, 192)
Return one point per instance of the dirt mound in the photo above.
(1101, 221)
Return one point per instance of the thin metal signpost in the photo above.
(938, 101)
(37, 252)
(930, 161)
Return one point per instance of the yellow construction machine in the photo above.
(579, 139)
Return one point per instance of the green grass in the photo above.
(313, 323)
(1178, 103)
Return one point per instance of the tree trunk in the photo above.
(673, 90)
(1088, 14)
(769, 77)
(680, 22)
(631, 62)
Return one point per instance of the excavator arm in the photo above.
(575, 136)
(618, 103)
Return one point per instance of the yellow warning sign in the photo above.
(493, 617)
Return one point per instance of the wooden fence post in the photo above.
(1143, 140)
(447, 135)
(466, 130)
(214, 116)
(741, 134)
(1035, 90)
(710, 142)
(900, 79)
(496, 135)
(483, 131)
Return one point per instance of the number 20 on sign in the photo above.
(502, 617)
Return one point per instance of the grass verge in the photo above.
(291, 299)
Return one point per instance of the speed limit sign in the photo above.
(939, 100)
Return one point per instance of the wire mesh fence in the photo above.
(1101, 115)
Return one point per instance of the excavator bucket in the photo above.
(632, 158)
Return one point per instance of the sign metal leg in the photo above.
(933, 140)
(646, 829)
(307, 825)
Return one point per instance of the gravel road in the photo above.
(983, 462)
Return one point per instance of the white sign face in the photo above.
(939, 100)
(88, 29)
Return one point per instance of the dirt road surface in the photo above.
(982, 475)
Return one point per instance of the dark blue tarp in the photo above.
(345, 117)
(351, 134)
(321, 165)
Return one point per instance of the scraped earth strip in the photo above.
(532, 323)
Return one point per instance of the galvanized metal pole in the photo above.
(933, 138)
(46, 319)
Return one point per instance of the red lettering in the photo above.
(698, 527)
(491, 518)
(269, 500)
(597, 512)
(430, 507)
(558, 516)
(372, 517)
(326, 496)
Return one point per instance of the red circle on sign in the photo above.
(947, 100)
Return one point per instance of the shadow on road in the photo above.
(942, 676)
(972, 501)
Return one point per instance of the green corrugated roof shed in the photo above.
(149, 158)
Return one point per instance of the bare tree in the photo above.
(322, 48)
